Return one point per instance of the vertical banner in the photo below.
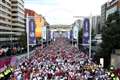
(39, 22)
(44, 32)
(31, 26)
(86, 31)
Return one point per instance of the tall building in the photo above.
(112, 7)
(5, 21)
(18, 19)
(109, 8)
(12, 23)
(96, 24)
(103, 14)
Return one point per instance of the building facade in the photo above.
(107, 9)
(5, 21)
(103, 14)
(112, 7)
(18, 19)
(12, 22)
(96, 24)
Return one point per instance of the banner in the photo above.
(39, 22)
(32, 39)
(44, 32)
(86, 31)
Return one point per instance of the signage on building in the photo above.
(86, 31)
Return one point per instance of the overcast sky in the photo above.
(63, 11)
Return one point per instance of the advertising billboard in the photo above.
(86, 31)
(31, 26)
(38, 26)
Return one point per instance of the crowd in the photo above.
(59, 61)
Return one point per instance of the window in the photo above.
(14, 11)
(14, 16)
(14, 6)
(14, 2)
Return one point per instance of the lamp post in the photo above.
(90, 37)
(27, 30)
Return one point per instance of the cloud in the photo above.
(62, 11)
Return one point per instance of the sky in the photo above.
(64, 11)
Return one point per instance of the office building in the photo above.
(112, 7)
(96, 24)
(5, 22)
(18, 19)
(103, 14)
(12, 23)
(109, 8)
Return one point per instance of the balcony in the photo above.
(18, 14)
(17, 33)
(5, 5)
(5, 11)
(5, 28)
(7, 33)
(17, 24)
(5, 22)
(5, 16)
(18, 29)
(4, 39)
(19, 20)
(8, 1)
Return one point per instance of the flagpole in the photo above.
(27, 29)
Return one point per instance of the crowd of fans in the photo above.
(59, 61)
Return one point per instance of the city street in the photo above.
(59, 61)
(59, 39)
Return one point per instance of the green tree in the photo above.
(110, 37)
(80, 35)
(111, 34)
(23, 40)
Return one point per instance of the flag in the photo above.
(31, 33)
(86, 31)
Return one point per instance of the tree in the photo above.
(110, 37)
(23, 40)
(111, 34)
(80, 35)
